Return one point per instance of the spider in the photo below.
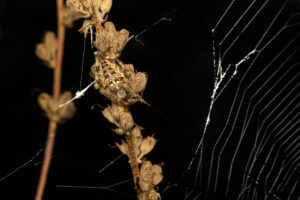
(118, 81)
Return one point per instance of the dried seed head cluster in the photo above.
(46, 51)
(76, 9)
(117, 81)
(111, 42)
(117, 115)
(142, 146)
(122, 85)
(150, 176)
(52, 110)
(136, 147)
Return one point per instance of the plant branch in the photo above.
(56, 93)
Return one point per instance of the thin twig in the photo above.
(56, 92)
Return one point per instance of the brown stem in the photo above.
(133, 162)
(56, 92)
(60, 50)
(47, 160)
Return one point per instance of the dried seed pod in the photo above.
(157, 174)
(137, 136)
(51, 107)
(112, 113)
(82, 8)
(146, 175)
(43, 100)
(151, 195)
(117, 115)
(126, 121)
(150, 176)
(146, 147)
(50, 41)
(105, 7)
(123, 147)
(138, 83)
(69, 16)
(137, 140)
(46, 51)
(119, 131)
(42, 52)
(108, 115)
(111, 42)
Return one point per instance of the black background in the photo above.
(177, 56)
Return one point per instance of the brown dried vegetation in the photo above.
(122, 85)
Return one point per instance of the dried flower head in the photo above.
(117, 115)
(88, 8)
(46, 51)
(111, 42)
(150, 176)
(146, 147)
(69, 16)
(51, 107)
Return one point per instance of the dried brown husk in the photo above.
(52, 110)
(47, 50)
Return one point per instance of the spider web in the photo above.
(256, 153)
(253, 152)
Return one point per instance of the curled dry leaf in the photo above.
(46, 51)
(51, 107)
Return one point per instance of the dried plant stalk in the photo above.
(122, 85)
(56, 95)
